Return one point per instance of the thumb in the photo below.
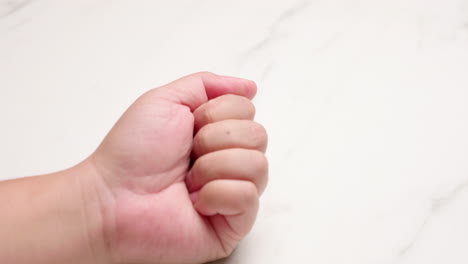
(196, 89)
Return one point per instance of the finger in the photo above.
(222, 108)
(240, 164)
(230, 134)
(232, 203)
(196, 89)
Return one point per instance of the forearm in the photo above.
(50, 219)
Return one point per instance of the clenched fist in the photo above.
(182, 171)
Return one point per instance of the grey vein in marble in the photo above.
(10, 7)
(436, 205)
(273, 30)
(266, 71)
(443, 201)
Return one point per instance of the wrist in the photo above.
(94, 200)
(59, 214)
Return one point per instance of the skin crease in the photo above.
(149, 215)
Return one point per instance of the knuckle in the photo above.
(260, 162)
(259, 135)
(248, 106)
(251, 109)
(249, 194)
(241, 102)
(207, 113)
(203, 135)
(201, 165)
(200, 141)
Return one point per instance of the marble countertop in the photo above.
(365, 101)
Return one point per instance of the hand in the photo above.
(168, 196)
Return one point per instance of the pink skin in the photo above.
(149, 216)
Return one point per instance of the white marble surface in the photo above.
(366, 103)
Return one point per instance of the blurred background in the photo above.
(365, 102)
